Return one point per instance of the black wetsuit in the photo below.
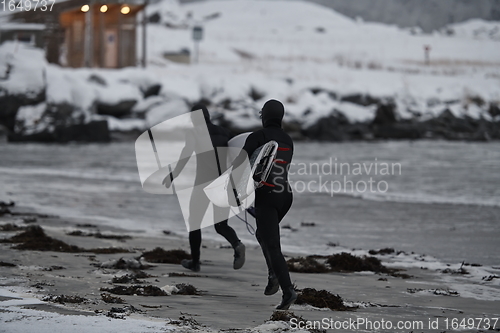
(273, 200)
(207, 169)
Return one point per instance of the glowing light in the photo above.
(85, 8)
(125, 10)
(103, 9)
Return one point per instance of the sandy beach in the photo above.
(443, 270)
(227, 300)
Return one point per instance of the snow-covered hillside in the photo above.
(315, 58)
(427, 14)
(321, 64)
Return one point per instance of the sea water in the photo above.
(434, 197)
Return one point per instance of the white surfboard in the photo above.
(220, 190)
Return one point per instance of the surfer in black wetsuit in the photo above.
(273, 200)
(209, 165)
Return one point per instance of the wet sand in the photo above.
(229, 299)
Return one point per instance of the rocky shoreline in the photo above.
(65, 123)
(47, 103)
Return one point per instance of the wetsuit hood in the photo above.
(273, 112)
(197, 107)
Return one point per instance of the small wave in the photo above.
(98, 174)
(430, 199)
(420, 198)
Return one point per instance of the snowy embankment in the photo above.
(339, 79)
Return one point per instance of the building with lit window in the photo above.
(90, 33)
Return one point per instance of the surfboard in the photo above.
(255, 174)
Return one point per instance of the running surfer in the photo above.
(208, 167)
(273, 200)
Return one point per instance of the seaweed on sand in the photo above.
(306, 265)
(112, 299)
(284, 316)
(287, 316)
(345, 262)
(34, 238)
(175, 274)
(124, 263)
(98, 235)
(121, 313)
(131, 278)
(62, 299)
(159, 255)
(321, 299)
(7, 264)
(438, 291)
(139, 290)
(186, 289)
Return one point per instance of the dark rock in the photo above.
(94, 78)
(94, 131)
(447, 126)
(360, 99)
(10, 105)
(204, 101)
(336, 127)
(357, 132)
(383, 251)
(154, 18)
(478, 100)
(10, 227)
(494, 110)
(385, 114)
(255, 94)
(399, 131)
(325, 129)
(119, 110)
(317, 90)
(5, 211)
(153, 90)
